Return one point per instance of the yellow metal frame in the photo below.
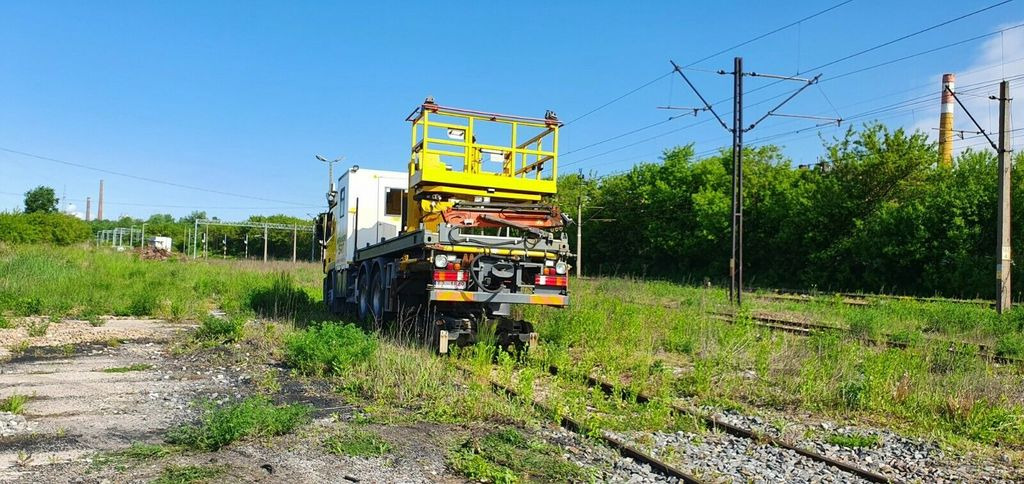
(529, 169)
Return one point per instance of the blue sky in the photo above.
(237, 97)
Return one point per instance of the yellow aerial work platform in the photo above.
(452, 162)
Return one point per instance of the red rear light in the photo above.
(541, 280)
(451, 276)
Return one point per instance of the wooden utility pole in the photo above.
(1005, 167)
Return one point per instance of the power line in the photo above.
(613, 138)
(924, 52)
(617, 99)
(759, 37)
(698, 61)
(884, 44)
(827, 64)
(147, 179)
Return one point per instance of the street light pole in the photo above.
(330, 175)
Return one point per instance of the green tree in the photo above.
(41, 199)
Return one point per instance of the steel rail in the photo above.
(716, 424)
(805, 328)
(867, 297)
(622, 447)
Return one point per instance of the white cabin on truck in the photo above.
(380, 196)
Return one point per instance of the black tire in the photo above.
(376, 297)
(363, 295)
(328, 302)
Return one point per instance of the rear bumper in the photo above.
(501, 297)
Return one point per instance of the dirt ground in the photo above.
(78, 412)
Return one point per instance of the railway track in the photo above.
(713, 423)
(659, 466)
(858, 298)
(624, 448)
(805, 328)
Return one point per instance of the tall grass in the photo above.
(85, 282)
(925, 389)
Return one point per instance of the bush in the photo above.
(254, 416)
(329, 349)
(224, 330)
(42, 228)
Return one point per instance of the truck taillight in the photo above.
(451, 276)
(450, 279)
(541, 280)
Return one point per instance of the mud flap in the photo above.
(442, 342)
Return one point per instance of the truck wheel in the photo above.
(363, 297)
(376, 297)
(327, 295)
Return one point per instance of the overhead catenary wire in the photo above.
(884, 44)
(822, 66)
(147, 179)
(766, 34)
(710, 56)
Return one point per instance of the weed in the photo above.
(20, 347)
(142, 451)
(5, 323)
(175, 474)
(126, 369)
(113, 343)
(14, 403)
(23, 459)
(1011, 345)
(137, 452)
(221, 330)
(254, 416)
(357, 443)
(61, 432)
(67, 349)
(96, 321)
(505, 456)
(328, 349)
(37, 328)
(283, 299)
(267, 382)
(854, 440)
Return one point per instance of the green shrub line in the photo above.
(42, 228)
